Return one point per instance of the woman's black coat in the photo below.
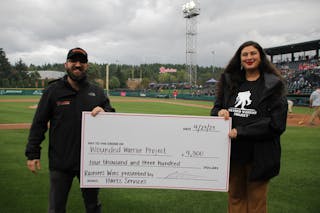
(265, 132)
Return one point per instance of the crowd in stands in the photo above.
(200, 90)
(302, 76)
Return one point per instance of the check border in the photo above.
(100, 127)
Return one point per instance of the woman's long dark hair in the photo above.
(237, 73)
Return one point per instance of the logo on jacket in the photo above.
(92, 94)
(61, 103)
(243, 99)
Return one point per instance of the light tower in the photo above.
(190, 12)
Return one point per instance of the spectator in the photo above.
(290, 106)
(315, 103)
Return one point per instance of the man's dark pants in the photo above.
(60, 184)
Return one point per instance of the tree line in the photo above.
(20, 75)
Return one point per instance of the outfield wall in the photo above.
(298, 100)
(19, 91)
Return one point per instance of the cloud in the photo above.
(149, 31)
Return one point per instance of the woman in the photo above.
(252, 92)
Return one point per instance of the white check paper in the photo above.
(124, 150)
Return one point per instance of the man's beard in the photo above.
(80, 79)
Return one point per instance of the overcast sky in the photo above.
(149, 31)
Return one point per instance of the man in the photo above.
(315, 103)
(62, 103)
(290, 106)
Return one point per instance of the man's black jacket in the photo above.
(62, 107)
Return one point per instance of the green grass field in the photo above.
(295, 190)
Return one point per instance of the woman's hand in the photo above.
(224, 113)
(233, 133)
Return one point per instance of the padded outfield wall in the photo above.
(299, 100)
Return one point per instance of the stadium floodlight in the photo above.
(190, 12)
(188, 6)
(190, 9)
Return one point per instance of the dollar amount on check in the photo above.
(124, 150)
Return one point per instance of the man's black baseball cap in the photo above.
(79, 52)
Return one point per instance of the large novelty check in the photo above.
(123, 150)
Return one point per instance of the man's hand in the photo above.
(34, 165)
(96, 111)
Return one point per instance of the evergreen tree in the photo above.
(5, 69)
(114, 83)
(19, 76)
(121, 77)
